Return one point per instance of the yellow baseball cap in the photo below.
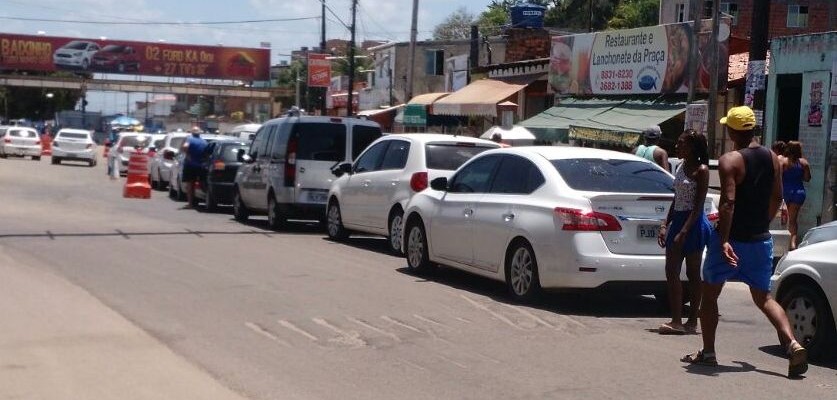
(740, 118)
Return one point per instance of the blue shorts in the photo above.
(794, 196)
(697, 236)
(755, 263)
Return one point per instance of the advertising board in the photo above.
(319, 70)
(50, 53)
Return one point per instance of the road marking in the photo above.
(429, 320)
(531, 315)
(298, 330)
(264, 332)
(348, 338)
(463, 320)
(374, 328)
(460, 365)
(493, 313)
(401, 324)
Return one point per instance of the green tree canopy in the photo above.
(634, 14)
(455, 26)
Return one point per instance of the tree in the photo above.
(455, 26)
(635, 14)
(32, 103)
(574, 15)
(492, 20)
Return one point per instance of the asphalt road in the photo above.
(292, 315)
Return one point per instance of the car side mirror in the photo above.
(440, 184)
(341, 169)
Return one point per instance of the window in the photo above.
(434, 62)
(370, 160)
(616, 176)
(732, 10)
(476, 176)
(229, 152)
(259, 142)
(279, 146)
(320, 141)
(797, 16)
(450, 156)
(23, 133)
(362, 136)
(680, 12)
(516, 175)
(707, 8)
(396, 156)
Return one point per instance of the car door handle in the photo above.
(468, 212)
(366, 182)
(508, 217)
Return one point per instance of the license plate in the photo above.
(317, 197)
(647, 231)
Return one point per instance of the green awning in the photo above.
(554, 124)
(415, 115)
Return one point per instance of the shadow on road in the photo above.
(293, 227)
(376, 244)
(742, 366)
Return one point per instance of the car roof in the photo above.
(566, 152)
(246, 128)
(439, 137)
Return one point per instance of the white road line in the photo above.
(401, 324)
(531, 315)
(298, 330)
(375, 329)
(429, 320)
(264, 332)
(463, 320)
(348, 338)
(494, 314)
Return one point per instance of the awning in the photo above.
(427, 98)
(553, 124)
(479, 98)
(623, 124)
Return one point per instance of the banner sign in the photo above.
(697, 117)
(319, 70)
(49, 53)
(646, 60)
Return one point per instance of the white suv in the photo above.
(370, 195)
(159, 167)
(74, 145)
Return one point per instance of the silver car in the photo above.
(20, 141)
(74, 145)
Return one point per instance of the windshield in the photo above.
(449, 156)
(112, 48)
(177, 142)
(229, 152)
(321, 141)
(130, 141)
(614, 176)
(76, 45)
(24, 133)
(72, 135)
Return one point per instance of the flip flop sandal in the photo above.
(666, 329)
(701, 358)
(690, 329)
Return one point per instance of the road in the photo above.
(157, 299)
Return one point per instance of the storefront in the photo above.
(801, 95)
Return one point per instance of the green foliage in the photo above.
(491, 21)
(33, 103)
(455, 26)
(635, 14)
(574, 15)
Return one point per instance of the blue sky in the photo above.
(377, 19)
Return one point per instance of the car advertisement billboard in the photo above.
(49, 53)
(319, 70)
(648, 60)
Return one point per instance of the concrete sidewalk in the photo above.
(59, 342)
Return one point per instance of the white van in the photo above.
(288, 170)
(244, 132)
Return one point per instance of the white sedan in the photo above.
(19, 141)
(805, 284)
(74, 145)
(546, 217)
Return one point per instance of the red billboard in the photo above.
(49, 53)
(319, 70)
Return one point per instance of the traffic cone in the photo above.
(46, 145)
(137, 185)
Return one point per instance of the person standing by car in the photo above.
(795, 170)
(686, 230)
(194, 148)
(742, 247)
(650, 150)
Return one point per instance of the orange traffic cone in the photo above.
(137, 185)
(46, 145)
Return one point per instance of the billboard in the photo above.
(648, 60)
(319, 70)
(49, 53)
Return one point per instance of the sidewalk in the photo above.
(59, 342)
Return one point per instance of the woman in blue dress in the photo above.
(795, 170)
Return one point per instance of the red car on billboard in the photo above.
(116, 57)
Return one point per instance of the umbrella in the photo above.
(124, 121)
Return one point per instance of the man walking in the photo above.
(742, 248)
(650, 150)
(194, 148)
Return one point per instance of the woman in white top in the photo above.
(686, 230)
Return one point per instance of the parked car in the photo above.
(244, 132)
(287, 172)
(124, 147)
(157, 141)
(216, 186)
(116, 57)
(74, 145)
(546, 217)
(19, 141)
(177, 190)
(819, 234)
(159, 166)
(371, 194)
(75, 54)
(805, 284)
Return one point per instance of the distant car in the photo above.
(75, 54)
(216, 186)
(159, 166)
(124, 147)
(371, 194)
(805, 284)
(177, 190)
(546, 217)
(116, 57)
(20, 141)
(244, 132)
(74, 145)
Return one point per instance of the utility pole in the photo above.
(411, 65)
(349, 108)
(323, 91)
(296, 98)
(590, 20)
(694, 12)
(712, 115)
(754, 92)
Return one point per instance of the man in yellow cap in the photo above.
(742, 248)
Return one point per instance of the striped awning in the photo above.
(479, 98)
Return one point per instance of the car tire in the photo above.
(274, 217)
(172, 193)
(522, 276)
(55, 161)
(334, 222)
(240, 211)
(211, 200)
(94, 163)
(418, 258)
(395, 222)
(810, 318)
(36, 158)
(154, 184)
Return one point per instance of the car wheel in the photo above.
(240, 211)
(94, 163)
(522, 272)
(810, 318)
(211, 201)
(418, 259)
(55, 161)
(36, 158)
(334, 222)
(274, 217)
(396, 226)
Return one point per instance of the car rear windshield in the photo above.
(129, 141)
(320, 141)
(615, 176)
(229, 152)
(177, 142)
(449, 156)
(72, 135)
(24, 133)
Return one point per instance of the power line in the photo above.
(345, 25)
(253, 21)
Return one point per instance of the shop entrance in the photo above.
(789, 87)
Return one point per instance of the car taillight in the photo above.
(586, 220)
(218, 165)
(713, 217)
(290, 163)
(7, 140)
(418, 181)
(37, 142)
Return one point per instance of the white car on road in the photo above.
(20, 141)
(546, 217)
(75, 54)
(370, 195)
(159, 166)
(74, 145)
(127, 144)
